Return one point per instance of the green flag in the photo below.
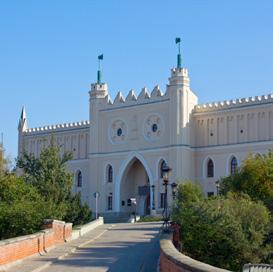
(177, 40)
(100, 57)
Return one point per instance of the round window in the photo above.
(119, 131)
(154, 127)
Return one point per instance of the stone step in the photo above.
(116, 217)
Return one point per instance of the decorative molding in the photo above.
(59, 127)
(229, 104)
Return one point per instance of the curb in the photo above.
(72, 250)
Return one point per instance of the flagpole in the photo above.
(100, 57)
(178, 40)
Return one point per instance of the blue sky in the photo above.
(49, 49)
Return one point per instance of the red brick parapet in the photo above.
(171, 260)
(14, 249)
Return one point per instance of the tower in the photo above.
(97, 96)
(22, 127)
(182, 102)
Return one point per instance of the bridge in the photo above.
(109, 247)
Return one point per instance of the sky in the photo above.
(49, 49)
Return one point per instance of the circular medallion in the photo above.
(153, 127)
(117, 131)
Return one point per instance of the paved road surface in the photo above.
(123, 247)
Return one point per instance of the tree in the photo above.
(50, 176)
(255, 178)
(78, 213)
(4, 162)
(187, 193)
(22, 209)
(48, 173)
(226, 231)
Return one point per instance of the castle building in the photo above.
(119, 152)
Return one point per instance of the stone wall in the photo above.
(171, 260)
(14, 249)
(82, 230)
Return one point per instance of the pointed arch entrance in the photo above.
(134, 182)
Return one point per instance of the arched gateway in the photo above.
(134, 182)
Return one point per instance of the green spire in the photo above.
(100, 57)
(178, 41)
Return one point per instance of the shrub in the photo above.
(227, 231)
(255, 178)
(22, 209)
(49, 175)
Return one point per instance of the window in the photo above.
(210, 194)
(210, 169)
(109, 173)
(79, 179)
(163, 164)
(162, 200)
(110, 203)
(119, 132)
(233, 165)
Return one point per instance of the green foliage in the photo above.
(22, 209)
(78, 213)
(150, 219)
(4, 162)
(227, 231)
(255, 178)
(188, 192)
(48, 174)
(43, 191)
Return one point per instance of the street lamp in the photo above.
(166, 170)
(174, 186)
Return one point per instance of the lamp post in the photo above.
(153, 197)
(174, 186)
(166, 173)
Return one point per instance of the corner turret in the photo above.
(98, 90)
(179, 76)
(182, 102)
(22, 126)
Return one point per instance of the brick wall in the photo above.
(55, 232)
(171, 260)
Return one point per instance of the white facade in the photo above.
(119, 151)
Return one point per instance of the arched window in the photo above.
(79, 179)
(109, 173)
(210, 169)
(233, 165)
(163, 164)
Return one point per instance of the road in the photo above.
(122, 247)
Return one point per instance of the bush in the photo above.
(255, 178)
(77, 213)
(226, 232)
(22, 209)
(49, 175)
(150, 219)
(44, 191)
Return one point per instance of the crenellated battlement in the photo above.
(234, 103)
(59, 127)
(144, 96)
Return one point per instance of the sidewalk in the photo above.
(39, 262)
